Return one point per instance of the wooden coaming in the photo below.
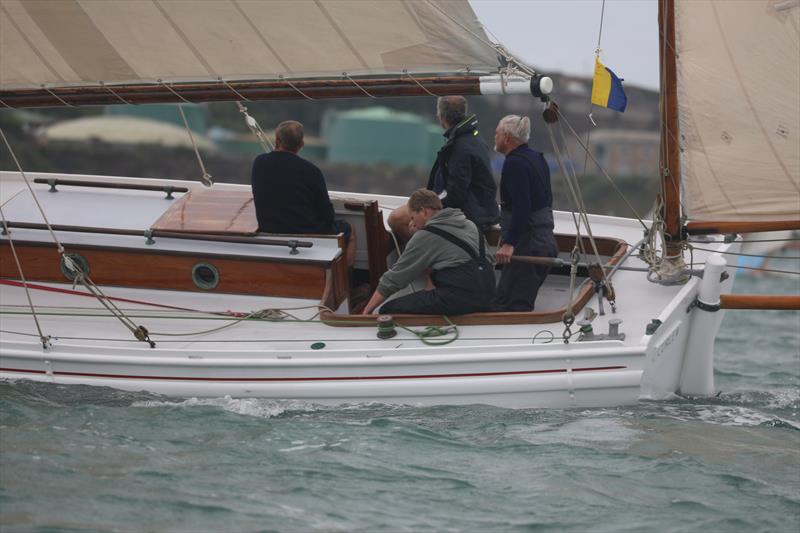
(614, 248)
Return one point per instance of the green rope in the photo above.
(435, 331)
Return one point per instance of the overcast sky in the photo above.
(561, 35)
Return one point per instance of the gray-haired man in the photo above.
(526, 221)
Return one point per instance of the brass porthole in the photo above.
(79, 261)
(205, 276)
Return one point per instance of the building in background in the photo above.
(382, 135)
(620, 152)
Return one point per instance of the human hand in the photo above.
(503, 254)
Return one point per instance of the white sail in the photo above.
(739, 108)
(63, 43)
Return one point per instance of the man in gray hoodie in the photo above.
(452, 249)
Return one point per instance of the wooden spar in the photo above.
(670, 131)
(759, 301)
(233, 91)
(724, 228)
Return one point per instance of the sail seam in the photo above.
(30, 45)
(261, 36)
(185, 40)
(341, 33)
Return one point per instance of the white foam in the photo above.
(256, 407)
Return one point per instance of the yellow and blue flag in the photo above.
(607, 88)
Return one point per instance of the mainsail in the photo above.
(738, 96)
(90, 52)
(63, 43)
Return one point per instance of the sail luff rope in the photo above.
(234, 91)
(120, 98)
(54, 95)
(173, 91)
(80, 275)
(206, 177)
(293, 86)
(407, 73)
(45, 339)
(363, 90)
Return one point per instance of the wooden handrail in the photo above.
(759, 301)
(164, 234)
(54, 182)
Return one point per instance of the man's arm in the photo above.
(417, 257)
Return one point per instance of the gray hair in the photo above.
(289, 134)
(451, 109)
(518, 127)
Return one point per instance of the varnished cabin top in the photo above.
(217, 212)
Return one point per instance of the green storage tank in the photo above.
(381, 135)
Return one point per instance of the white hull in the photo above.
(488, 364)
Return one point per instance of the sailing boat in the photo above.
(166, 285)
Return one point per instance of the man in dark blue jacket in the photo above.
(526, 221)
(461, 175)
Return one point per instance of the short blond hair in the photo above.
(422, 198)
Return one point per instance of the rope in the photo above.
(206, 178)
(170, 89)
(121, 99)
(435, 331)
(6, 105)
(792, 272)
(363, 90)
(407, 73)
(591, 104)
(139, 331)
(292, 85)
(234, 91)
(255, 129)
(54, 95)
(45, 339)
(611, 181)
(33, 194)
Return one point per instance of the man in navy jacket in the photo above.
(461, 175)
(526, 219)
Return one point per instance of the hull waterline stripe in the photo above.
(338, 378)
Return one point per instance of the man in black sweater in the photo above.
(289, 192)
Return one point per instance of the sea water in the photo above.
(94, 459)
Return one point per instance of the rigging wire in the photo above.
(140, 332)
(45, 339)
(206, 177)
(255, 128)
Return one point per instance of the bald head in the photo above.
(451, 110)
(289, 136)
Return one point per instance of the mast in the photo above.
(670, 132)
